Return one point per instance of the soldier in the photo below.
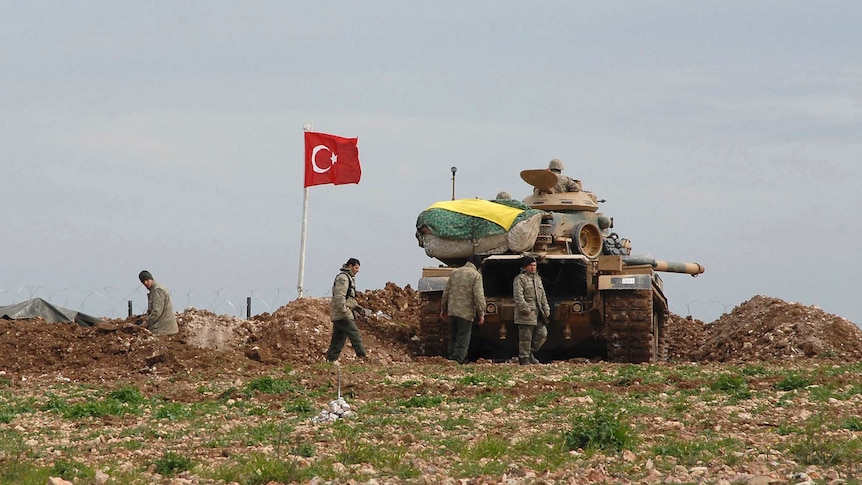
(160, 318)
(564, 182)
(531, 311)
(341, 309)
(503, 195)
(463, 301)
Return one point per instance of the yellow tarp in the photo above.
(490, 211)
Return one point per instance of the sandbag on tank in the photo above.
(438, 247)
(522, 236)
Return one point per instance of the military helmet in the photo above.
(556, 164)
(503, 195)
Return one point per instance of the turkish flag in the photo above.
(331, 159)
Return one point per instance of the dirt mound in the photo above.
(206, 330)
(762, 328)
(299, 332)
(765, 328)
(685, 336)
(110, 350)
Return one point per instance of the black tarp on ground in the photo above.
(38, 307)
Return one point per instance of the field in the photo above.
(236, 401)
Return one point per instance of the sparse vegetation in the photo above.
(482, 420)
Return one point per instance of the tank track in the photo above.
(433, 333)
(634, 332)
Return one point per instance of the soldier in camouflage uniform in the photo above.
(341, 309)
(531, 311)
(564, 182)
(160, 318)
(463, 301)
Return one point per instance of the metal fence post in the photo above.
(130, 308)
(248, 307)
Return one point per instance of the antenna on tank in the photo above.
(453, 169)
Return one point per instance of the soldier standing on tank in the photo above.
(463, 302)
(564, 182)
(531, 311)
(341, 309)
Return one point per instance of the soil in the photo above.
(760, 329)
(35, 354)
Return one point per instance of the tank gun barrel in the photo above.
(693, 269)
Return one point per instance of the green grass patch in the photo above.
(491, 379)
(119, 402)
(483, 457)
(420, 402)
(732, 385)
(260, 469)
(72, 471)
(171, 464)
(128, 395)
(172, 411)
(13, 407)
(306, 450)
(697, 451)
(301, 406)
(813, 449)
(792, 382)
(852, 423)
(99, 409)
(602, 430)
(271, 385)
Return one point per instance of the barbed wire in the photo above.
(110, 302)
(708, 310)
(107, 302)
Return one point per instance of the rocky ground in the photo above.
(211, 346)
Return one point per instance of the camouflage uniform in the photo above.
(160, 318)
(341, 309)
(463, 301)
(566, 184)
(529, 296)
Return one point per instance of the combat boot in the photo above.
(534, 360)
(523, 361)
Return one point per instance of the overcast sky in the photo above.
(168, 136)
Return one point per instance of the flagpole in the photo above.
(302, 243)
(299, 283)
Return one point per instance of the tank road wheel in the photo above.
(587, 240)
(633, 331)
(433, 333)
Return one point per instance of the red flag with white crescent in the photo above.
(331, 159)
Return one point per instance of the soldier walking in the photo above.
(463, 302)
(341, 309)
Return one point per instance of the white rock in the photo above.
(101, 477)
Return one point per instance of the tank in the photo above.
(605, 302)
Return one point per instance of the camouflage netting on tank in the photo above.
(453, 225)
